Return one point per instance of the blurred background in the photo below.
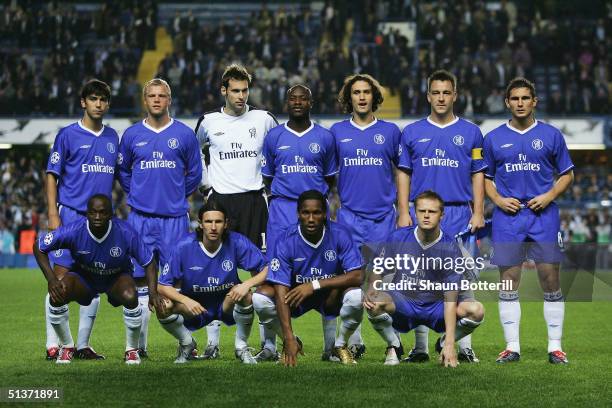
(49, 49)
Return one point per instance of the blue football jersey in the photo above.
(84, 163)
(296, 260)
(159, 168)
(108, 255)
(366, 157)
(443, 158)
(524, 164)
(298, 161)
(200, 271)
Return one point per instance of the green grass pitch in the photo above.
(158, 382)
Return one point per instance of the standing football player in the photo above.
(529, 166)
(232, 139)
(444, 154)
(369, 149)
(82, 163)
(159, 167)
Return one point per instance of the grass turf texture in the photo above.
(158, 382)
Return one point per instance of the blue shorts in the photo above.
(62, 257)
(315, 302)
(409, 314)
(526, 235)
(160, 234)
(213, 303)
(282, 213)
(365, 231)
(456, 218)
(98, 284)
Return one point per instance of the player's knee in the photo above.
(353, 298)
(266, 290)
(473, 310)
(167, 310)
(265, 307)
(128, 297)
(247, 300)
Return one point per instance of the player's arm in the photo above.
(508, 204)
(175, 296)
(448, 355)
(542, 201)
(297, 295)
(402, 180)
(477, 221)
(193, 164)
(268, 184)
(239, 291)
(57, 289)
(124, 162)
(283, 311)
(155, 301)
(52, 210)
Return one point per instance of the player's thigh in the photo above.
(511, 274)
(60, 271)
(76, 289)
(266, 290)
(123, 291)
(333, 301)
(548, 274)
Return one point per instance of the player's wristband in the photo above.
(316, 285)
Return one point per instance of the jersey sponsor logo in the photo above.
(253, 132)
(238, 152)
(98, 166)
(275, 264)
(48, 238)
(284, 147)
(425, 139)
(537, 144)
(140, 144)
(379, 139)
(120, 159)
(317, 275)
(157, 162)
(173, 143)
(504, 146)
(440, 160)
(522, 165)
(227, 265)
(110, 147)
(362, 159)
(346, 140)
(85, 147)
(59, 253)
(330, 255)
(298, 167)
(458, 140)
(55, 157)
(115, 252)
(314, 148)
(166, 269)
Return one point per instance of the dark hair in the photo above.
(442, 75)
(344, 96)
(312, 195)
(211, 205)
(96, 87)
(520, 82)
(102, 197)
(429, 195)
(304, 87)
(236, 72)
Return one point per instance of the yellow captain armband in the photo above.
(477, 153)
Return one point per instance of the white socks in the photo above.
(143, 303)
(421, 339)
(243, 315)
(58, 317)
(510, 318)
(87, 317)
(173, 324)
(52, 340)
(463, 328)
(329, 333)
(554, 313)
(351, 314)
(213, 333)
(133, 320)
(266, 310)
(383, 325)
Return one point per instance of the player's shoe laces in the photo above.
(329, 356)
(185, 353)
(557, 357)
(132, 357)
(52, 353)
(88, 353)
(245, 356)
(143, 353)
(344, 355)
(416, 356)
(65, 355)
(265, 354)
(211, 353)
(391, 356)
(508, 356)
(357, 350)
(467, 355)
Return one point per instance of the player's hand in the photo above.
(296, 296)
(540, 202)
(369, 299)
(54, 221)
(509, 204)
(238, 292)
(57, 291)
(291, 349)
(448, 355)
(404, 220)
(477, 222)
(195, 308)
(157, 302)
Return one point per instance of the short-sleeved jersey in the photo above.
(443, 158)
(299, 161)
(159, 168)
(523, 164)
(297, 260)
(108, 255)
(84, 162)
(236, 144)
(366, 157)
(434, 263)
(201, 272)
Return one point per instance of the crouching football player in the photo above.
(101, 246)
(201, 283)
(425, 294)
(315, 265)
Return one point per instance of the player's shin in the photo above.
(52, 340)
(510, 317)
(133, 320)
(58, 316)
(213, 333)
(554, 313)
(266, 311)
(421, 339)
(351, 314)
(87, 317)
(329, 334)
(383, 324)
(173, 324)
(243, 315)
(143, 302)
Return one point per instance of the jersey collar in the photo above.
(424, 247)
(522, 132)
(82, 126)
(210, 254)
(452, 122)
(310, 243)
(352, 122)
(161, 129)
(100, 240)
(300, 134)
(248, 108)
